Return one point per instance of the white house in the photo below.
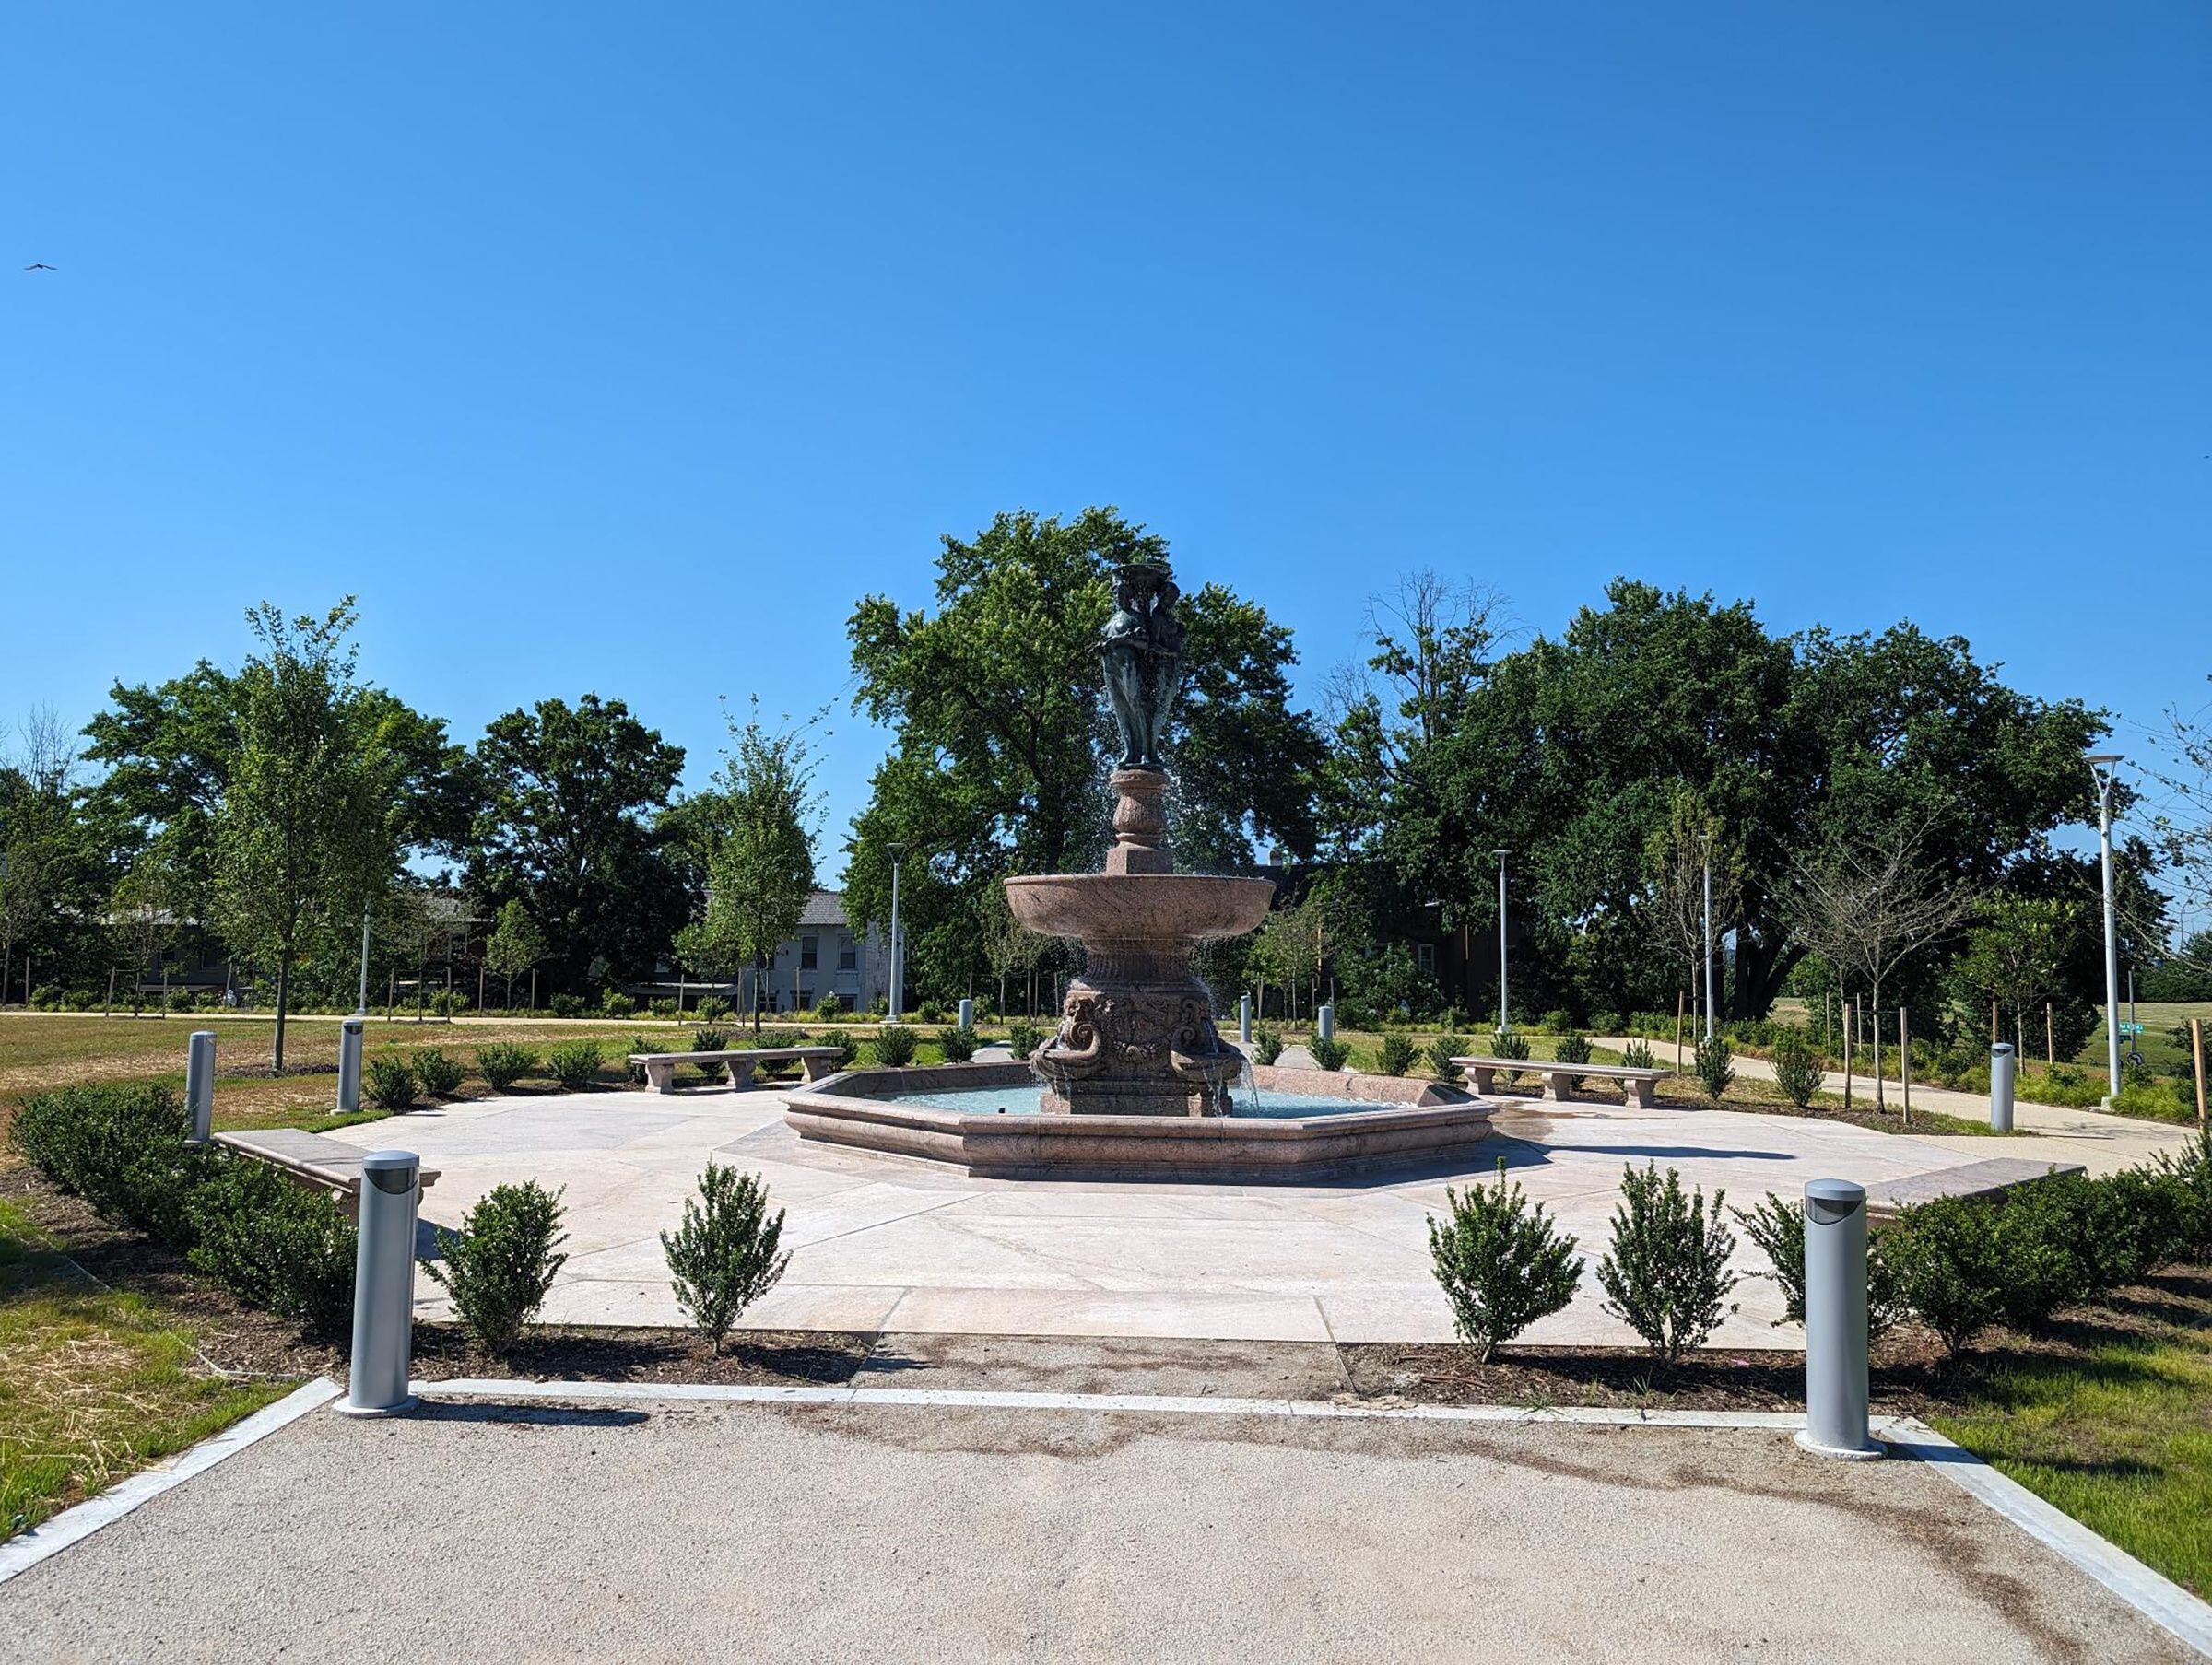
(827, 956)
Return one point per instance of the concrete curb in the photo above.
(25, 1550)
(959, 1399)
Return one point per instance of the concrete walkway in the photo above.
(660, 1531)
(2100, 1142)
(884, 1244)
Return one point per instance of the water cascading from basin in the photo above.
(1136, 1034)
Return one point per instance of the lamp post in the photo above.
(1504, 1010)
(897, 949)
(362, 1010)
(2103, 770)
(1708, 936)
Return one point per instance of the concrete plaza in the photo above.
(885, 1244)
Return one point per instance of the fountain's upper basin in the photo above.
(1139, 907)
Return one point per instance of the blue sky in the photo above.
(622, 348)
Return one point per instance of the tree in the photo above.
(1867, 904)
(169, 751)
(1289, 953)
(514, 945)
(2183, 827)
(567, 825)
(2018, 954)
(1570, 750)
(995, 704)
(40, 851)
(761, 872)
(307, 830)
(1679, 855)
(141, 916)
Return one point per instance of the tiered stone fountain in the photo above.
(1137, 1082)
(1136, 1034)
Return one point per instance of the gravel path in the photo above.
(659, 1531)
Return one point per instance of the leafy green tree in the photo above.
(44, 871)
(142, 916)
(567, 825)
(2017, 956)
(308, 831)
(514, 945)
(1679, 855)
(995, 699)
(169, 751)
(1571, 750)
(1289, 953)
(761, 872)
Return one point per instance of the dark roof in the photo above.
(824, 908)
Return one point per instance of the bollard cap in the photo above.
(2001, 1048)
(1833, 1199)
(391, 1172)
(201, 1035)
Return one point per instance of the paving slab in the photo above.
(663, 1529)
(878, 1239)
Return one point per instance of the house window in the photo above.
(1425, 955)
(848, 955)
(810, 953)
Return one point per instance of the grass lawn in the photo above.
(94, 1384)
(2112, 1423)
(39, 1051)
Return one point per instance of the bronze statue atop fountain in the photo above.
(1137, 1034)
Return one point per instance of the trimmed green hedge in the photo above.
(123, 1149)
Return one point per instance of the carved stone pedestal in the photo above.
(1137, 1039)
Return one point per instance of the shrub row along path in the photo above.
(653, 1530)
(907, 1247)
(2099, 1141)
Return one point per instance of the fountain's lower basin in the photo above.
(1358, 1122)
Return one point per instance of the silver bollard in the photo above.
(967, 1014)
(1245, 1018)
(1326, 1021)
(1835, 1321)
(199, 1084)
(349, 1066)
(383, 1286)
(2002, 1065)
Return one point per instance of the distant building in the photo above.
(827, 956)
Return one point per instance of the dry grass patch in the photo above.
(95, 1383)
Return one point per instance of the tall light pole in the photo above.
(1504, 1019)
(363, 1010)
(897, 949)
(2103, 770)
(1708, 936)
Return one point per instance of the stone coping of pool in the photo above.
(1411, 1121)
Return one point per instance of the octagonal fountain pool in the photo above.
(992, 1120)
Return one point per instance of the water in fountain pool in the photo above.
(1021, 1099)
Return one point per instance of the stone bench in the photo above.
(312, 1160)
(660, 1067)
(1641, 1085)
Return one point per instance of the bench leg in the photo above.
(1481, 1079)
(1555, 1087)
(1644, 1094)
(741, 1073)
(660, 1077)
